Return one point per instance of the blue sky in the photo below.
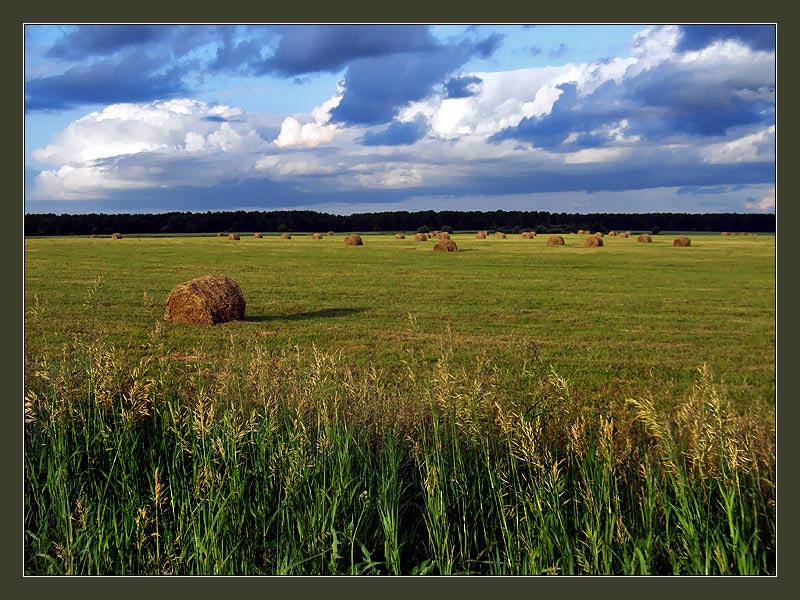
(567, 118)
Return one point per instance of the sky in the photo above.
(364, 118)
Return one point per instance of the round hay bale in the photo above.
(233, 236)
(331, 233)
(598, 234)
(612, 233)
(644, 238)
(624, 234)
(116, 236)
(593, 242)
(527, 235)
(316, 236)
(285, 236)
(581, 232)
(724, 233)
(500, 235)
(220, 234)
(258, 236)
(742, 233)
(443, 235)
(420, 237)
(445, 245)
(399, 236)
(555, 240)
(481, 235)
(682, 241)
(206, 300)
(627, 234)
(353, 240)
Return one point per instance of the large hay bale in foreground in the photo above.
(316, 236)
(206, 300)
(420, 237)
(116, 236)
(445, 245)
(233, 236)
(644, 238)
(593, 242)
(399, 236)
(353, 240)
(682, 241)
(481, 235)
(555, 240)
(285, 236)
(500, 235)
(258, 236)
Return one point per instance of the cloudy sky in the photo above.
(355, 118)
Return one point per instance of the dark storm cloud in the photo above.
(397, 134)
(462, 87)
(99, 40)
(697, 37)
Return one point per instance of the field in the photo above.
(509, 408)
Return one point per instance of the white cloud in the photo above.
(314, 132)
(755, 147)
(767, 202)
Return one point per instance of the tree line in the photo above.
(394, 221)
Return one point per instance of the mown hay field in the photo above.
(508, 408)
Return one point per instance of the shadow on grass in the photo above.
(325, 313)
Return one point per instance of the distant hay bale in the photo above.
(353, 240)
(598, 234)
(644, 238)
(399, 236)
(527, 235)
(445, 245)
(593, 242)
(752, 234)
(443, 235)
(742, 233)
(627, 234)
(433, 234)
(420, 237)
(682, 241)
(581, 232)
(612, 233)
(500, 235)
(206, 300)
(316, 236)
(220, 234)
(555, 240)
(724, 233)
(481, 235)
(116, 236)
(285, 236)
(233, 236)
(624, 234)
(331, 233)
(258, 236)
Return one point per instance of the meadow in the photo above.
(511, 408)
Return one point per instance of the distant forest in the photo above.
(310, 221)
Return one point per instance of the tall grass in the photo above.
(296, 462)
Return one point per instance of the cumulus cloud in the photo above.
(767, 202)
(314, 132)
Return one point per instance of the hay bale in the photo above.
(420, 237)
(220, 234)
(331, 233)
(612, 233)
(258, 236)
(527, 235)
(581, 232)
(627, 234)
(598, 234)
(353, 240)
(555, 240)
(724, 233)
(399, 236)
(116, 236)
(445, 245)
(682, 241)
(742, 233)
(624, 234)
(233, 236)
(206, 300)
(644, 238)
(285, 236)
(316, 236)
(481, 235)
(443, 235)
(500, 235)
(593, 242)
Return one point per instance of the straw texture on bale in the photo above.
(116, 236)
(399, 236)
(593, 241)
(206, 300)
(682, 241)
(481, 235)
(444, 245)
(316, 236)
(258, 236)
(624, 234)
(527, 235)
(353, 240)
(500, 235)
(644, 238)
(285, 236)
(420, 237)
(233, 236)
(555, 240)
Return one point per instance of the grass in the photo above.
(512, 408)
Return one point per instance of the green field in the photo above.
(399, 365)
